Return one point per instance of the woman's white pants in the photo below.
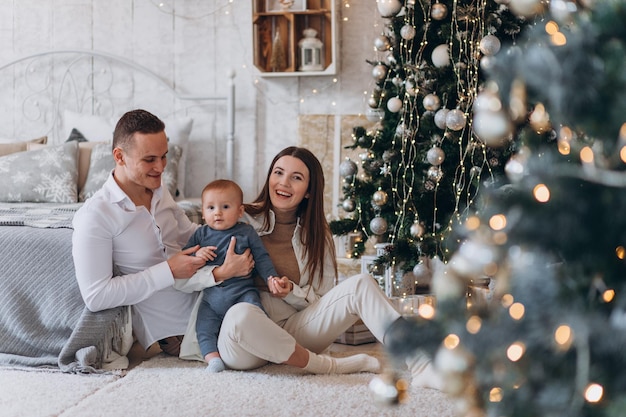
(249, 338)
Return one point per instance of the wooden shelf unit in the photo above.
(290, 24)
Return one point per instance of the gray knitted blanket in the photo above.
(43, 319)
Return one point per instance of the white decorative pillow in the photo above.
(97, 129)
(46, 175)
(102, 163)
(93, 128)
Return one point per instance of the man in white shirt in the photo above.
(128, 237)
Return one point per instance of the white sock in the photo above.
(424, 374)
(215, 365)
(324, 364)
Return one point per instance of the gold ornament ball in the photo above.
(382, 43)
(379, 72)
(380, 198)
(435, 173)
(439, 11)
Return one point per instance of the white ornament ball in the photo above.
(400, 129)
(487, 101)
(379, 72)
(390, 60)
(384, 390)
(440, 56)
(490, 45)
(562, 10)
(435, 156)
(515, 52)
(493, 128)
(455, 119)
(515, 169)
(487, 62)
(440, 118)
(394, 104)
(407, 32)
(397, 81)
(375, 115)
(382, 43)
(347, 168)
(439, 11)
(389, 8)
(447, 286)
(453, 361)
(417, 230)
(525, 8)
(409, 86)
(431, 102)
(348, 205)
(378, 225)
(472, 257)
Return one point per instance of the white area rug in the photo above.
(27, 393)
(166, 386)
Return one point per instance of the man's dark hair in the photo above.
(132, 122)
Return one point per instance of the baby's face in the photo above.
(221, 209)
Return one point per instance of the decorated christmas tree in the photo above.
(422, 164)
(549, 338)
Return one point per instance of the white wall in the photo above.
(193, 44)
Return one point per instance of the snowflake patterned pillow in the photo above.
(46, 175)
(102, 163)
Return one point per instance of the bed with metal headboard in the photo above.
(57, 114)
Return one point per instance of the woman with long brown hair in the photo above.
(306, 311)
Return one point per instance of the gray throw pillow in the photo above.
(46, 175)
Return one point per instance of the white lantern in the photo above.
(311, 51)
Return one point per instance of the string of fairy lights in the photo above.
(465, 62)
(409, 152)
(318, 89)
